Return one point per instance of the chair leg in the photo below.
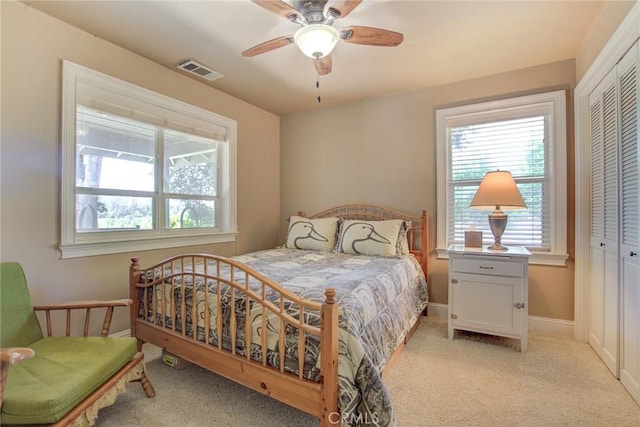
(146, 385)
(4, 370)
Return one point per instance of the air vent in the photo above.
(198, 69)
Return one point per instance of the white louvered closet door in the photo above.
(604, 289)
(628, 79)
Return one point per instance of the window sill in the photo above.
(77, 250)
(537, 258)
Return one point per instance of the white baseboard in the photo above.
(125, 333)
(545, 325)
(548, 325)
(437, 310)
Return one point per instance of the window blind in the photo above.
(517, 145)
(128, 105)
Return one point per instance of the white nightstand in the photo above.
(488, 291)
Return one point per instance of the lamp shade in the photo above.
(316, 40)
(498, 189)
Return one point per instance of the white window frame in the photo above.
(505, 109)
(74, 244)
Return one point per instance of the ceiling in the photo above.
(444, 41)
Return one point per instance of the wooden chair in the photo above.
(60, 380)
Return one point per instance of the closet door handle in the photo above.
(602, 244)
(633, 253)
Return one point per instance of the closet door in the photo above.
(627, 71)
(604, 290)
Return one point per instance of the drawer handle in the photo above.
(633, 253)
(519, 305)
(482, 267)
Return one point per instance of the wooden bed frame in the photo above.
(317, 398)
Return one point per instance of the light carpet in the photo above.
(473, 380)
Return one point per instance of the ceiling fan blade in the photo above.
(278, 7)
(268, 46)
(370, 36)
(323, 65)
(343, 7)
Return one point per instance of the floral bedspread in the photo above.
(379, 300)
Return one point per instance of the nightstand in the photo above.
(488, 291)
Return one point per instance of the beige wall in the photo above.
(612, 14)
(33, 46)
(382, 151)
(379, 151)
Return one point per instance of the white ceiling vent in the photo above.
(198, 69)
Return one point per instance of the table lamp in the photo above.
(498, 191)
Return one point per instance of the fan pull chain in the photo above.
(318, 87)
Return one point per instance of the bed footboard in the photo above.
(222, 315)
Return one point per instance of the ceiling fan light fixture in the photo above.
(316, 40)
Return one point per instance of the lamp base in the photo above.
(497, 223)
(498, 247)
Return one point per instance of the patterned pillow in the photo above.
(377, 238)
(403, 243)
(318, 234)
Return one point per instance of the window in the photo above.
(524, 135)
(141, 170)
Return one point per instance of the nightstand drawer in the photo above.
(477, 265)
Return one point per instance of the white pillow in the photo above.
(318, 234)
(404, 240)
(377, 238)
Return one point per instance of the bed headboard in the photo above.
(417, 236)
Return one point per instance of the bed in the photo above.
(315, 323)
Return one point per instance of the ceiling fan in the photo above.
(316, 36)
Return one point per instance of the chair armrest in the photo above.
(84, 305)
(11, 356)
(87, 306)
